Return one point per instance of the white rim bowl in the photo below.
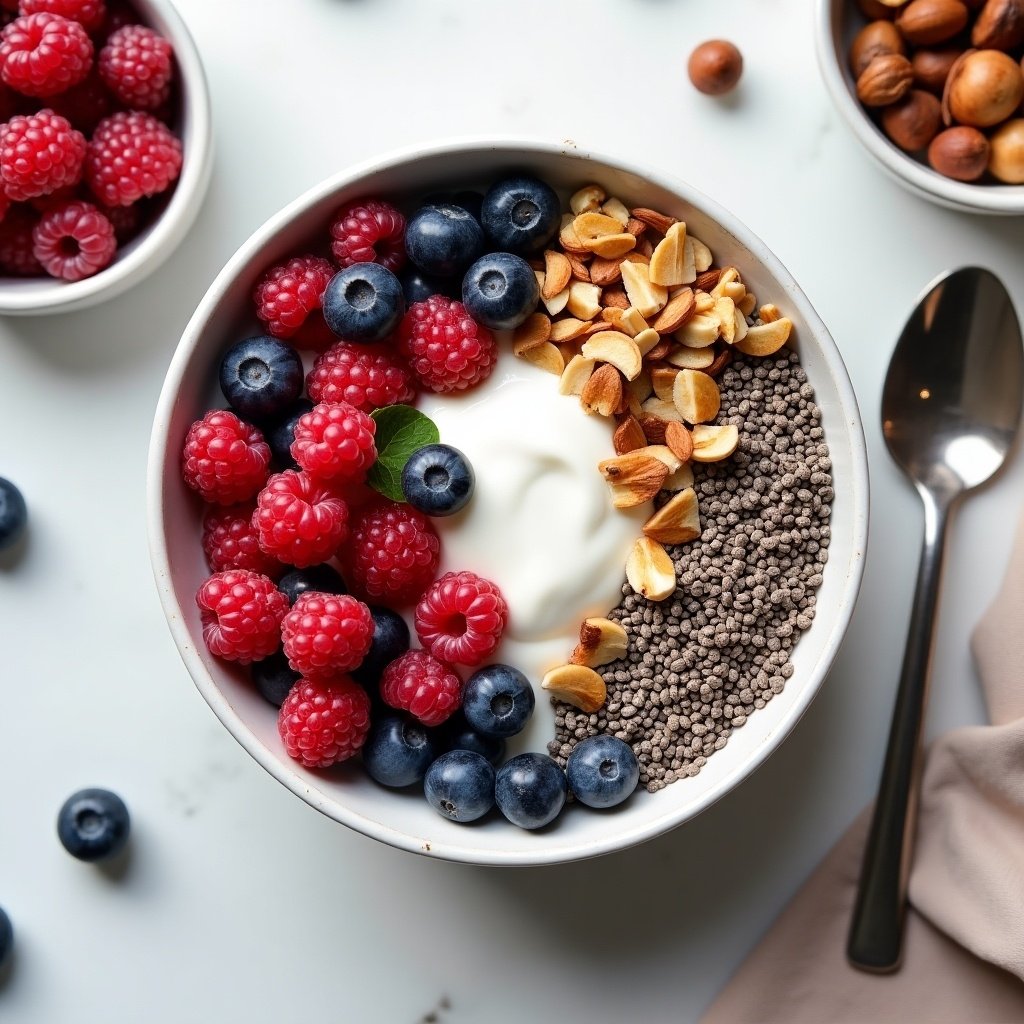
(35, 296)
(405, 820)
(837, 23)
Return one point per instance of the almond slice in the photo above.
(703, 302)
(602, 392)
(645, 297)
(533, 332)
(633, 478)
(612, 316)
(618, 349)
(661, 222)
(769, 313)
(712, 444)
(691, 358)
(577, 685)
(557, 273)
(696, 396)
(680, 479)
(653, 427)
(605, 272)
(689, 262)
(612, 246)
(556, 303)
(679, 441)
(664, 454)
(677, 521)
(668, 261)
(635, 227)
(615, 297)
(584, 300)
(722, 359)
(601, 642)
(741, 328)
(640, 386)
(647, 340)
(747, 304)
(633, 322)
(575, 375)
(699, 331)
(547, 357)
(681, 307)
(727, 278)
(615, 209)
(588, 198)
(662, 409)
(708, 279)
(663, 379)
(766, 339)
(578, 267)
(725, 314)
(568, 238)
(567, 329)
(593, 228)
(702, 258)
(628, 436)
(650, 571)
(660, 351)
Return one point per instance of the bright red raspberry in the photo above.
(136, 64)
(88, 13)
(39, 154)
(425, 687)
(365, 376)
(300, 521)
(131, 155)
(74, 241)
(393, 553)
(230, 541)
(85, 105)
(369, 231)
(44, 54)
(325, 634)
(446, 348)
(314, 334)
(289, 292)
(16, 255)
(224, 459)
(335, 442)
(324, 721)
(241, 613)
(461, 617)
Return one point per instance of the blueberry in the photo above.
(398, 751)
(500, 291)
(530, 790)
(521, 215)
(443, 239)
(363, 302)
(281, 432)
(6, 939)
(438, 480)
(458, 734)
(13, 514)
(261, 377)
(320, 578)
(460, 785)
(417, 287)
(390, 641)
(497, 700)
(274, 678)
(471, 202)
(602, 771)
(93, 824)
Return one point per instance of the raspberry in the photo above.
(39, 154)
(314, 334)
(241, 613)
(125, 220)
(16, 255)
(224, 459)
(335, 442)
(323, 722)
(85, 105)
(131, 155)
(365, 376)
(74, 241)
(88, 13)
(289, 292)
(393, 553)
(325, 634)
(44, 54)
(369, 231)
(299, 520)
(5, 205)
(460, 618)
(447, 350)
(230, 541)
(420, 684)
(136, 66)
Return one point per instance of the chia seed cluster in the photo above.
(702, 661)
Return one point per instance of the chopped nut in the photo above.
(568, 238)
(681, 307)
(567, 329)
(577, 685)
(729, 276)
(680, 479)
(663, 379)
(659, 221)
(575, 375)
(677, 521)
(692, 358)
(645, 296)
(747, 303)
(615, 297)
(708, 279)
(650, 571)
(766, 339)
(725, 313)
(547, 357)
(579, 268)
(663, 410)
(769, 313)
(702, 258)
(633, 478)
(647, 340)
(605, 272)
(668, 261)
(588, 198)
(712, 444)
(653, 427)
(679, 440)
(556, 303)
(628, 436)
(660, 351)
(696, 396)
(633, 323)
(601, 234)
(617, 211)
(533, 332)
(640, 387)
(602, 392)
(584, 300)
(722, 359)
(664, 454)
(557, 273)
(699, 331)
(635, 227)
(703, 302)
(601, 642)
(618, 349)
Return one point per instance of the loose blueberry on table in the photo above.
(93, 824)
(13, 514)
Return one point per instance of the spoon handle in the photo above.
(876, 932)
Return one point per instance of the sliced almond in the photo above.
(616, 348)
(578, 267)
(722, 359)
(691, 358)
(601, 642)
(689, 263)
(633, 322)
(728, 277)
(584, 300)
(557, 273)
(664, 454)
(747, 304)
(681, 307)
(725, 314)
(605, 272)
(769, 313)
(707, 280)
(653, 427)
(617, 211)
(613, 315)
(740, 327)
(662, 409)
(679, 441)
(633, 478)
(547, 357)
(696, 396)
(556, 303)
(567, 329)
(677, 521)
(533, 332)
(702, 258)
(577, 685)
(660, 350)
(602, 234)
(635, 227)
(712, 444)
(663, 379)
(645, 297)
(588, 198)
(647, 340)
(628, 436)
(680, 479)
(575, 375)
(650, 571)
(699, 331)
(766, 339)
(602, 392)
(736, 290)
(659, 221)
(615, 297)
(645, 248)
(568, 238)
(612, 246)
(640, 386)
(703, 302)
(668, 261)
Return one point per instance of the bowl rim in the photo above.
(1005, 200)
(465, 852)
(28, 296)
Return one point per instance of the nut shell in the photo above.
(1000, 25)
(914, 121)
(984, 87)
(932, 67)
(926, 22)
(885, 80)
(874, 40)
(715, 67)
(960, 153)
(1006, 156)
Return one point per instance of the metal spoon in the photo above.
(951, 408)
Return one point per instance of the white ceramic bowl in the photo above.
(37, 296)
(838, 21)
(405, 820)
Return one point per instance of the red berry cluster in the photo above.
(85, 101)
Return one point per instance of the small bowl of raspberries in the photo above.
(105, 148)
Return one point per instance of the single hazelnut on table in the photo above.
(1006, 156)
(926, 22)
(873, 40)
(932, 67)
(1000, 25)
(984, 87)
(960, 153)
(885, 80)
(715, 67)
(914, 121)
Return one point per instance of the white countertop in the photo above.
(242, 904)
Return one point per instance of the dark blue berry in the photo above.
(417, 287)
(500, 291)
(274, 678)
(398, 751)
(13, 514)
(471, 202)
(93, 824)
(438, 480)
(390, 641)
(460, 786)
(443, 239)
(602, 771)
(458, 734)
(261, 377)
(521, 215)
(363, 303)
(530, 790)
(497, 700)
(6, 939)
(281, 433)
(319, 578)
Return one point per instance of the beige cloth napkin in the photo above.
(964, 946)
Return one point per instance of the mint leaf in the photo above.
(401, 430)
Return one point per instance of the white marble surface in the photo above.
(242, 904)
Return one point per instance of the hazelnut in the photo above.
(914, 121)
(926, 22)
(960, 153)
(1006, 159)
(931, 68)
(885, 80)
(984, 87)
(1000, 25)
(715, 67)
(875, 9)
(873, 40)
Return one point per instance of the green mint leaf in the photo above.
(401, 430)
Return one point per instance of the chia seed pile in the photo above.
(704, 660)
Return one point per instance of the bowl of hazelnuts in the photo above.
(934, 89)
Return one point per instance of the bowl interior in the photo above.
(405, 820)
